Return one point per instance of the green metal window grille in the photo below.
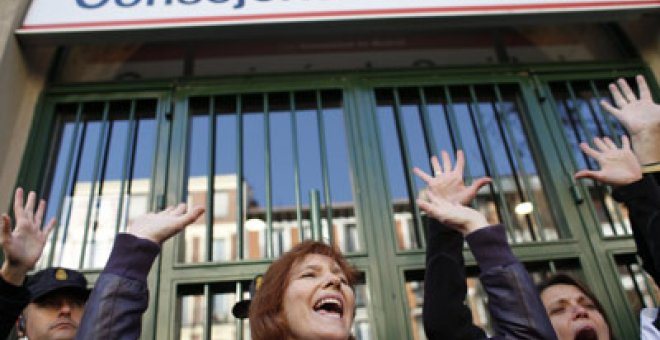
(278, 169)
(204, 312)
(581, 118)
(486, 122)
(640, 289)
(100, 176)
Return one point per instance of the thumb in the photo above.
(191, 216)
(587, 174)
(475, 186)
(5, 233)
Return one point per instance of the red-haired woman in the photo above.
(306, 294)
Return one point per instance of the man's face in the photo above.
(55, 316)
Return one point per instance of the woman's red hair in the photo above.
(266, 320)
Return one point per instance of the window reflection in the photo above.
(263, 155)
(582, 119)
(640, 289)
(485, 122)
(101, 177)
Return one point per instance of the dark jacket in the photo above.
(513, 300)
(642, 199)
(13, 300)
(120, 296)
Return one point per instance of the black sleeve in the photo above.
(12, 302)
(642, 199)
(445, 314)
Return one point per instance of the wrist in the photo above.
(12, 274)
(645, 145)
(474, 224)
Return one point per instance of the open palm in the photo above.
(23, 246)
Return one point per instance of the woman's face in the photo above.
(318, 302)
(573, 314)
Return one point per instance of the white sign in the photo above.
(95, 15)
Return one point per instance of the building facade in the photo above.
(288, 130)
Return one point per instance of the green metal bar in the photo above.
(454, 130)
(130, 146)
(65, 182)
(647, 283)
(296, 164)
(324, 166)
(487, 154)
(269, 184)
(525, 190)
(208, 313)
(552, 266)
(210, 181)
(607, 117)
(590, 137)
(407, 164)
(611, 130)
(426, 123)
(97, 164)
(240, 237)
(638, 289)
(315, 214)
(238, 323)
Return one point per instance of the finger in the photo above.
(169, 208)
(446, 161)
(49, 227)
(589, 151)
(480, 182)
(38, 218)
(627, 91)
(191, 216)
(435, 163)
(460, 162)
(644, 92)
(625, 142)
(617, 96)
(5, 233)
(18, 202)
(179, 209)
(29, 205)
(609, 143)
(600, 144)
(422, 175)
(611, 109)
(587, 174)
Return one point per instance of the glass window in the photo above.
(640, 289)
(100, 177)
(582, 119)
(272, 156)
(486, 123)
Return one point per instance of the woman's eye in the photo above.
(308, 274)
(557, 310)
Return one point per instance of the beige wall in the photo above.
(20, 84)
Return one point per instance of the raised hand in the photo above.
(639, 115)
(448, 183)
(453, 214)
(618, 166)
(23, 246)
(159, 227)
(446, 197)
